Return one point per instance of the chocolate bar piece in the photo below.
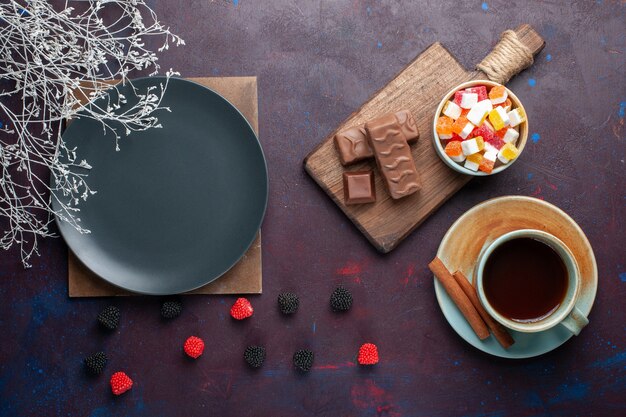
(393, 156)
(352, 144)
(358, 187)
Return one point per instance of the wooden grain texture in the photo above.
(243, 278)
(419, 88)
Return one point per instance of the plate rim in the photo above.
(440, 292)
(62, 225)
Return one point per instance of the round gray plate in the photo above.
(176, 207)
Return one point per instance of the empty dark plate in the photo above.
(176, 207)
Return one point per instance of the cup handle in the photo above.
(575, 321)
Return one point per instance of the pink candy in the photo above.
(481, 90)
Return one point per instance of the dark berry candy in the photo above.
(254, 356)
(341, 299)
(288, 302)
(303, 360)
(171, 309)
(95, 363)
(109, 318)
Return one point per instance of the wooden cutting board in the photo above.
(419, 87)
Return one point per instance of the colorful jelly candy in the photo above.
(516, 116)
(486, 166)
(491, 154)
(500, 133)
(490, 148)
(481, 127)
(462, 127)
(498, 94)
(473, 161)
(444, 127)
(452, 110)
(497, 142)
(510, 136)
(470, 146)
(499, 118)
(507, 153)
(480, 142)
(479, 90)
(458, 98)
(495, 138)
(479, 112)
(454, 151)
(469, 100)
(485, 130)
(465, 99)
(507, 104)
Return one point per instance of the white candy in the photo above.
(468, 100)
(479, 111)
(469, 147)
(510, 136)
(459, 158)
(444, 136)
(491, 155)
(500, 100)
(466, 130)
(503, 158)
(452, 110)
(471, 165)
(516, 117)
(490, 148)
(503, 115)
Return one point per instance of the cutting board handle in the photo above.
(512, 54)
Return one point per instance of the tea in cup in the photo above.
(528, 280)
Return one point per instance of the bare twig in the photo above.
(47, 56)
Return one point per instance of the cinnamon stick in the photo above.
(499, 331)
(459, 298)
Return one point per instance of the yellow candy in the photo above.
(477, 157)
(509, 151)
(496, 119)
(480, 142)
(516, 116)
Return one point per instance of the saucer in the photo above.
(462, 244)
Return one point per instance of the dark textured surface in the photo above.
(317, 61)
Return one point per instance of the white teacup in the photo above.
(566, 314)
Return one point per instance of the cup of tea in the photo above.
(528, 280)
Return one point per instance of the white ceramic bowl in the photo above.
(439, 148)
